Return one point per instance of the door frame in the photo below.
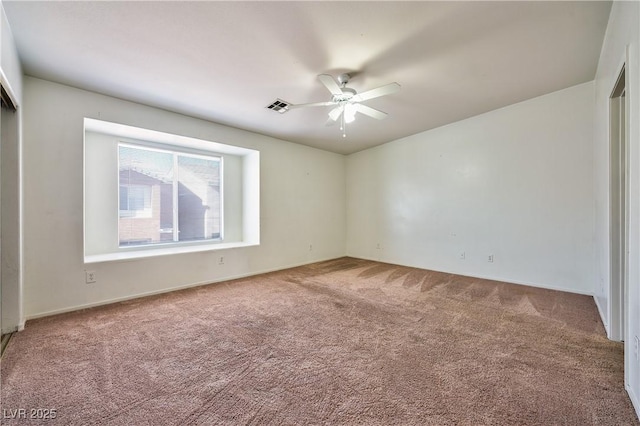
(618, 207)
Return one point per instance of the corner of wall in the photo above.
(601, 304)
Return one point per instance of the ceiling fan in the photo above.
(346, 101)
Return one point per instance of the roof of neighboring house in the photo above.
(141, 176)
(191, 175)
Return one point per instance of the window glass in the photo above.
(167, 196)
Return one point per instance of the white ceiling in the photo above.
(226, 61)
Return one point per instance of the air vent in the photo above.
(279, 106)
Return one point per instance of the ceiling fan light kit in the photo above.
(346, 101)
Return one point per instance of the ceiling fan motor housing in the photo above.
(347, 93)
(344, 78)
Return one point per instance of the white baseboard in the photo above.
(634, 400)
(482, 277)
(605, 321)
(165, 290)
(280, 268)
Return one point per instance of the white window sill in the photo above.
(165, 251)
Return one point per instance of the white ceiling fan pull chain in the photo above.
(343, 125)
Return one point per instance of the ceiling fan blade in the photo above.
(371, 112)
(315, 104)
(379, 91)
(334, 114)
(330, 84)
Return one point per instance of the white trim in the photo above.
(619, 201)
(154, 137)
(155, 251)
(11, 93)
(634, 399)
(484, 277)
(8, 88)
(631, 366)
(606, 258)
(21, 266)
(170, 289)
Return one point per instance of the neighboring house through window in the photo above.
(135, 200)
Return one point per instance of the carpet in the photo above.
(346, 341)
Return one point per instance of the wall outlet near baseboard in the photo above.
(90, 277)
(221, 260)
(490, 258)
(462, 255)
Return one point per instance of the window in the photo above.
(135, 201)
(150, 193)
(167, 196)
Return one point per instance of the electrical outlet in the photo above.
(378, 246)
(90, 277)
(462, 256)
(310, 247)
(221, 260)
(490, 258)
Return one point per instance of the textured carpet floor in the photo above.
(340, 342)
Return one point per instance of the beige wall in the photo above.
(515, 183)
(302, 204)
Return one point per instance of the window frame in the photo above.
(176, 151)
